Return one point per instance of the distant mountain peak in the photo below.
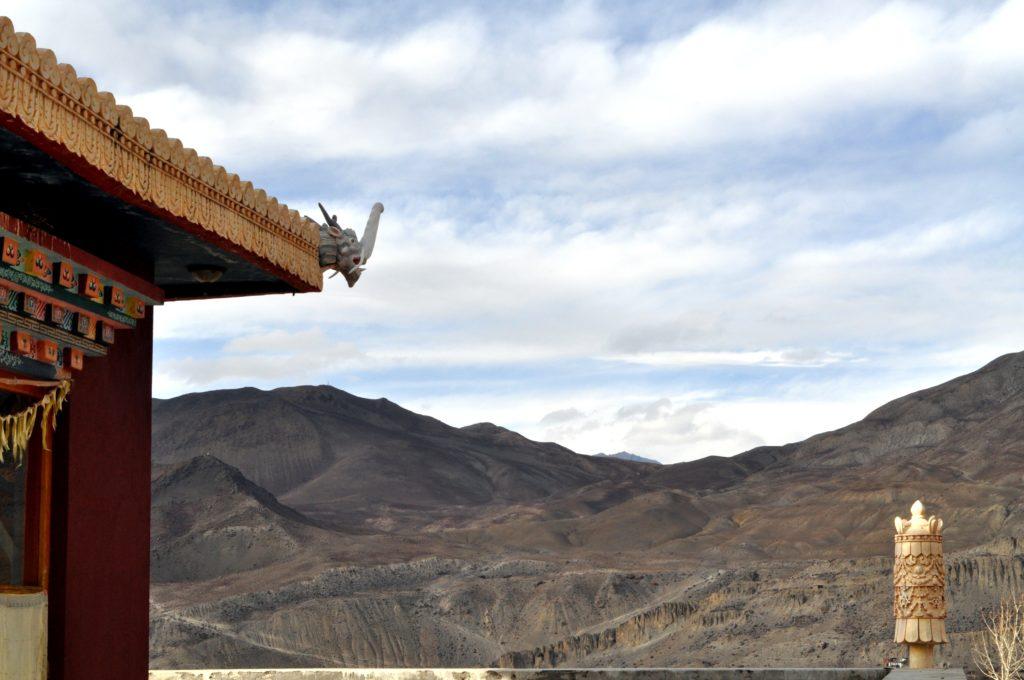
(492, 431)
(626, 455)
(485, 428)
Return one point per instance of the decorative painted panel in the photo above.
(55, 312)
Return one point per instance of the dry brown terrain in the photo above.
(309, 527)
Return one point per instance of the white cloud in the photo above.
(682, 432)
(917, 242)
(685, 427)
(994, 133)
(551, 82)
(272, 357)
(785, 358)
(581, 221)
(561, 416)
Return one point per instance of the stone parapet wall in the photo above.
(528, 674)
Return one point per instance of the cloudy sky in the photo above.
(678, 229)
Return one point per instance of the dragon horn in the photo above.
(333, 221)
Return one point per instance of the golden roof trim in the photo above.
(49, 98)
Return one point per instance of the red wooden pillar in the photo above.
(99, 577)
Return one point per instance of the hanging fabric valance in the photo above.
(16, 429)
(22, 636)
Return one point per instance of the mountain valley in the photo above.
(308, 527)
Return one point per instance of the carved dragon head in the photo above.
(341, 251)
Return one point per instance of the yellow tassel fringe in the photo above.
(16, 429)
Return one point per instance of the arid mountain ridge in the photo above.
(306, 526)
(626, 455)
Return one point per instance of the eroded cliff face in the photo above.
(822, 613)
(532, 614)
(424, 613)
(636, 630)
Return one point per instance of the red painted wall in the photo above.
(99, 578)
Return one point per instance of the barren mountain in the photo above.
(398, 540)
(352, 461)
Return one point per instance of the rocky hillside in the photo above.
(397, 540)
(208, 520)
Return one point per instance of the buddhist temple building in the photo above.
(101, 219)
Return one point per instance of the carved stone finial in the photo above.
(917, 524)
(919, 584)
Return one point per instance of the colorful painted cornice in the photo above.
(50, 99)
(58, 304)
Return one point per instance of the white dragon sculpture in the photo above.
(341, 251)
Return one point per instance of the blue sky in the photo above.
(679, 229)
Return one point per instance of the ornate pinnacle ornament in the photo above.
(919, 580)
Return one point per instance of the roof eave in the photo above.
(46, 104)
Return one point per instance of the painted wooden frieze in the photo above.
(55, 312)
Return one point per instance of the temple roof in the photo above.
(75, 162)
